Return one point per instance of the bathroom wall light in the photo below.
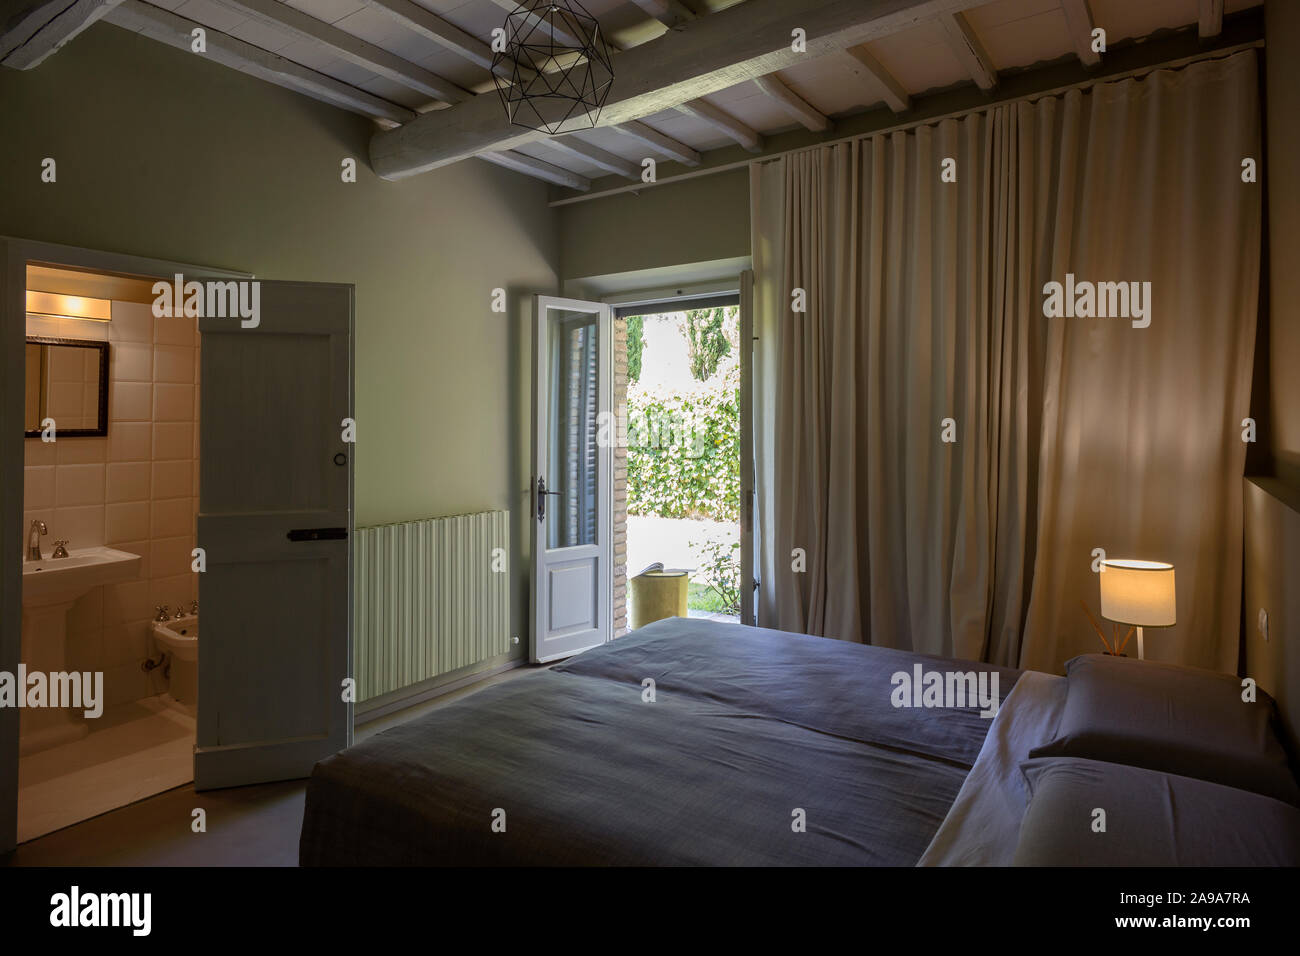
(69, 306)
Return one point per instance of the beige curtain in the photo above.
(924, 320)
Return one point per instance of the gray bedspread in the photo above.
(750, 731)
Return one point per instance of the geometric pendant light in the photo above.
(554, 73)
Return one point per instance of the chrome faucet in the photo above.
(34, 540)
(60, 549)
(160, 614)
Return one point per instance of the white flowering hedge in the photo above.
(683, 450)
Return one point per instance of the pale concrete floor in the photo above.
(673, 541)
(246, 826)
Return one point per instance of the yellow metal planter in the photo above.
(656, 594)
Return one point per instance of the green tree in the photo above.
(635, 345)
(707, 340)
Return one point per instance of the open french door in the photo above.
(572, 484)
(275, 523)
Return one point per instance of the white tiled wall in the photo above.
(136, 490)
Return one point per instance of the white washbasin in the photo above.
(62, 580)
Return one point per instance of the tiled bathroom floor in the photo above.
(133, 751)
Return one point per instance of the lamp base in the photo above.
(1141, 656)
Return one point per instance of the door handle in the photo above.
(541, 498)
(317, 534)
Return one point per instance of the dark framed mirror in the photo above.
(67, 381)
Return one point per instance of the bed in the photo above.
(693, 742)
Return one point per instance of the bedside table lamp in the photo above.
(1140, 593)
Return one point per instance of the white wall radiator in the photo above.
(432, 596)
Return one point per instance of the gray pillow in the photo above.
(1151, 819)
(1176, 719)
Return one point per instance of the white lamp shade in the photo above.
(1138, 592)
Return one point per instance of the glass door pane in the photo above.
(573, 473)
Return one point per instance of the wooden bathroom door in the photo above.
(274, 524)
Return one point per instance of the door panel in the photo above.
(573, 590)
(572, 477)
(275, 517)
(281, 375)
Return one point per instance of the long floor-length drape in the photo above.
(937, 460)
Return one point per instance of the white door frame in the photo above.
(15, 253)
(743, 286)
(748, 496)
(605, 475)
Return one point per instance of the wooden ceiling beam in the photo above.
(792, 103)
(881, 82)
(742, 133)
(286, 19)
(512, 8)
(661, 142)
(969, 50)
(1078, 18)
(1210, 21)
(538, 169)
(431, 27)
(598, 157)
(704, 56)
(174, 30)
(40, 30)
(670, 13)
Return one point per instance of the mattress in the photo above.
(686, 743)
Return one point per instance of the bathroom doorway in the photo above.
(266, 529)
(104, 397)
(110, 486)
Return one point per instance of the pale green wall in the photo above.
(1282, 57)
(696, 220)
(164, 154)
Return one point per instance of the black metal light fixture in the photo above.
(554, 73)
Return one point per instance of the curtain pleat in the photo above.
(923, 320)
(1141, 442)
